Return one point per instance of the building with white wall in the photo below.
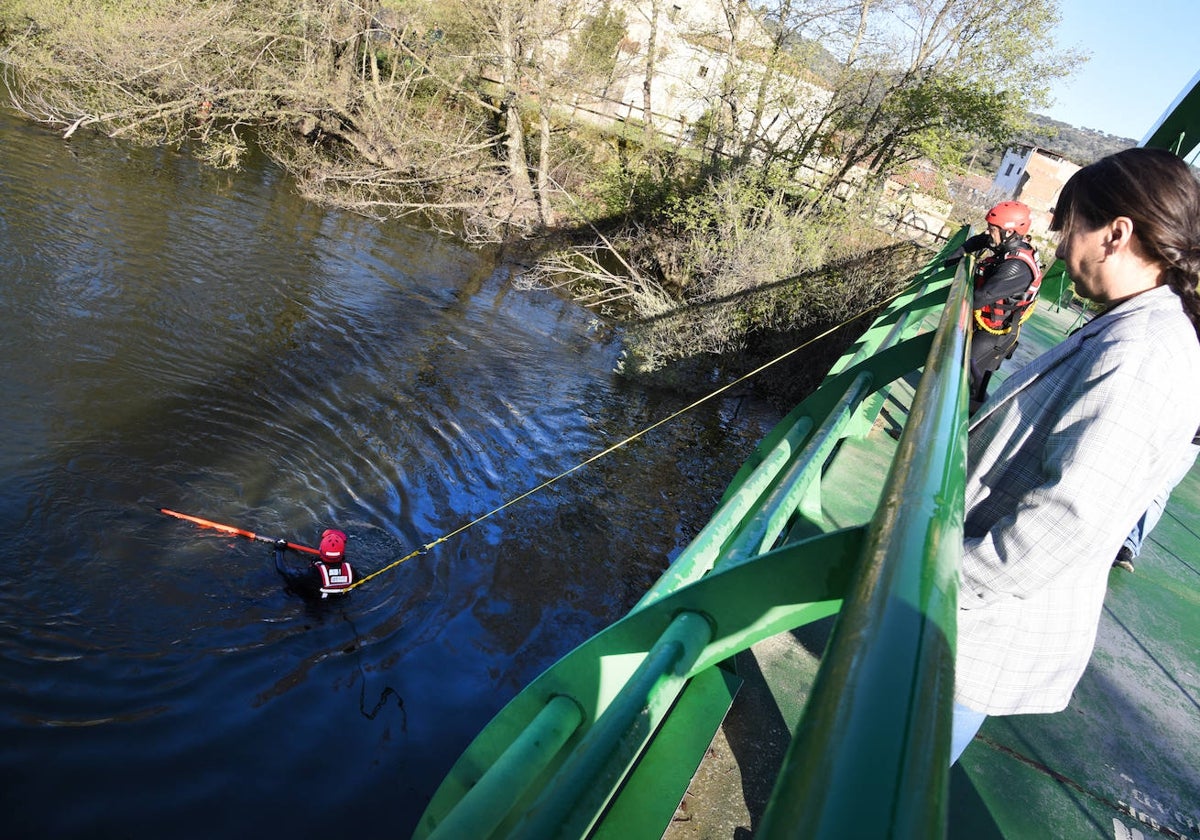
(1034, 176)
(692, 57)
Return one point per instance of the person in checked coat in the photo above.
(1069, 451)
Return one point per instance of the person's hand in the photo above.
(977, 243)
(972, 245)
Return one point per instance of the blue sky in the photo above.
(1143, 53)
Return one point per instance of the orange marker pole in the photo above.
(240, 532)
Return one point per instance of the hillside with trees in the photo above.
(1078, 145)
(1081, 145)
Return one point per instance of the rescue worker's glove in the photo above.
(972, 246)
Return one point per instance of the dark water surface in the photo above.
(171, 335)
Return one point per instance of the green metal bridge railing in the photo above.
(605, 742)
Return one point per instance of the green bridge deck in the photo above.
(1122, 761)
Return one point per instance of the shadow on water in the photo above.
(208, 342)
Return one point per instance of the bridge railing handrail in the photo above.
(873, 744)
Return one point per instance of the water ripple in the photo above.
(173, 336)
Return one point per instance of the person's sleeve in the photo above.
(1097, 455)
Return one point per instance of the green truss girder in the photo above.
(726, 611)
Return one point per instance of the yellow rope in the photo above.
(423, 549)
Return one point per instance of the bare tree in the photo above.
(919, 75)
(653, 14)
(371, 108)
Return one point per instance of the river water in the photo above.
(206, 341)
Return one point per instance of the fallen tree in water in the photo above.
(343, 94)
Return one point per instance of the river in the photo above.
(172, 335)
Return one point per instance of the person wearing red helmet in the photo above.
(335, 572)
(1006, 288)
(328, 574)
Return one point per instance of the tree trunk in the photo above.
(514, 132)
(545, 211)
(761, 97)
(651, 61)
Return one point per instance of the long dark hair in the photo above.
(1159, 192)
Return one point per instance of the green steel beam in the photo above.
(1179, 128)
(483, 806)
(904, 319)
(925, 294)
(649, 796)
(742, 605)
(885, 367)
(701, 553)
(904, 314)
(582, 787)
(870, 757)
(778, 449)
(764, 526)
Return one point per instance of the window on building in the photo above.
(1008, 171)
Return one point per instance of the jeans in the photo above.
(1153, 513)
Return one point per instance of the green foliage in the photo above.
(947, 115)
(938, 79)
(640, 188)
(737, 232)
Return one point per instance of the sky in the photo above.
(1143, 54)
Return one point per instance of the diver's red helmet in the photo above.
(1010, 216)
(333, 546)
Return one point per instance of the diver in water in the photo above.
(328, 574)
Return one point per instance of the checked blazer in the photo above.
(1061, 461)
